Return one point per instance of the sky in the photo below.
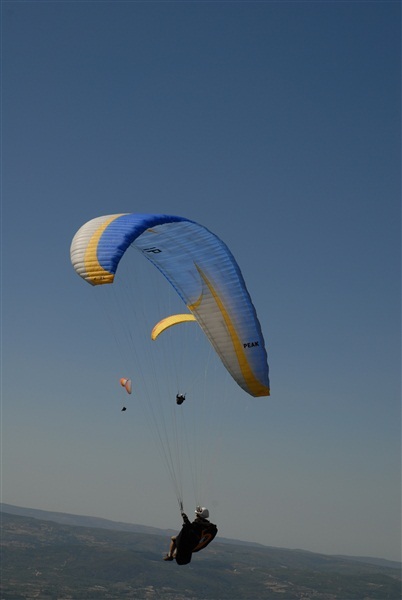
(277, 126)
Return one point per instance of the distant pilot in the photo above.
(180, 398)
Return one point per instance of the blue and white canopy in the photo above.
(202, 270)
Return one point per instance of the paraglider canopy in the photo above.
(201, 269)
(126, 383)
(169, 322)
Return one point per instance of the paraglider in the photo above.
(205, 276)
(126, 383)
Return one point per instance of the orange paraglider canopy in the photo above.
(126, 383)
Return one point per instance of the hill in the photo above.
(47, 560)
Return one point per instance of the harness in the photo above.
(207, 535)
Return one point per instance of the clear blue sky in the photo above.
(277, 126)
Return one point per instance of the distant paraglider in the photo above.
(126, 383)
(169, 322)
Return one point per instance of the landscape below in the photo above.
(54, 555)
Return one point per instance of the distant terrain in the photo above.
(53, 556)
